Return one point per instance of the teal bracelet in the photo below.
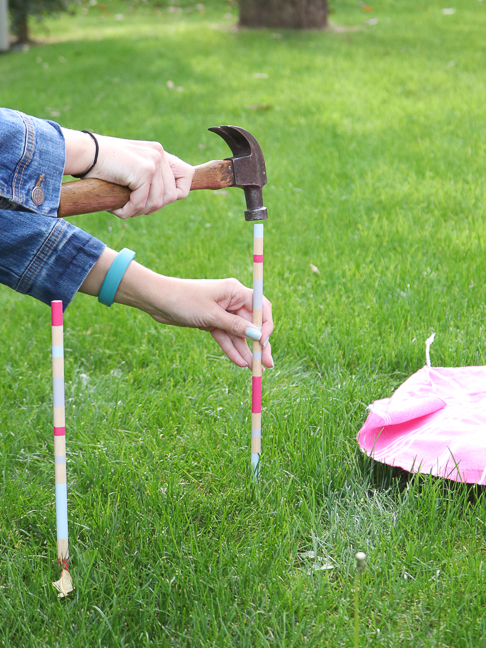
(115, 275)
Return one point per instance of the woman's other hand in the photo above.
(221, 306)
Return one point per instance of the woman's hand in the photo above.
(155, 177)
(221, 306)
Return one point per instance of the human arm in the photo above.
(37, 152)
(40, 255)
(222, 307)
(49, 258)
(155, 177)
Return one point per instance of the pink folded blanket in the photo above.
(434, 423)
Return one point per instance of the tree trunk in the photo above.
(290, 14)
(23, 29)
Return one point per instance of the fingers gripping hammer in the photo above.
(246, 169)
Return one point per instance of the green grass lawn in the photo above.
(375, 145)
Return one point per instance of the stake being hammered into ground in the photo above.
(256, 386)
(64, 585)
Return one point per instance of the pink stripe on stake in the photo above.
(256, 395)
(56, 313)
(258, 258)
(59, 431)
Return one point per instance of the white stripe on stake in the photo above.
(258, 294)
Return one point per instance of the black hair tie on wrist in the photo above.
(85, 173)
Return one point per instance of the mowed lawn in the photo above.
(375, 143)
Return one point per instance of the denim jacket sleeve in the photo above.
(44, 257)
(40, 255)
(32, 154)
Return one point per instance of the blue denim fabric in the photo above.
(40, 255)
(44, 257)
(32, 152)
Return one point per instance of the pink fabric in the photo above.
(434, 423)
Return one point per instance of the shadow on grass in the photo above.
(384, 477)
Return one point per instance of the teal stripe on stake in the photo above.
(255, 464)
(61, 511)
(58, 351)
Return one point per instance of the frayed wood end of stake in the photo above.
(65, 584)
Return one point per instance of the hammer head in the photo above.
(248, 166)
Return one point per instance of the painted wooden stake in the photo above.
(64, 584)
(256, 395)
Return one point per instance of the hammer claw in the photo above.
(237, 141)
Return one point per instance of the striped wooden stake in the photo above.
(256, 396)
(64, 584)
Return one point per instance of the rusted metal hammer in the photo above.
(246, 169)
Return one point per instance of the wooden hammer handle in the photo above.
(216, 174)
(92, 195)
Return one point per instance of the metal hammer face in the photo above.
(248, 166)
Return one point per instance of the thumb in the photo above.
(236, 325)
(183, 174)
(136, 204)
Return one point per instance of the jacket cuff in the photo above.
(68, 254)
(32, 170)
